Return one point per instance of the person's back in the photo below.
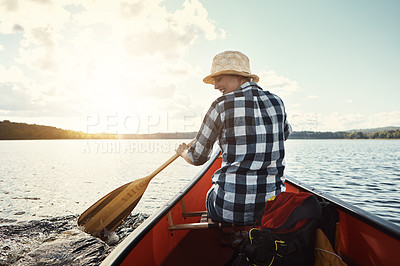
(250, 127)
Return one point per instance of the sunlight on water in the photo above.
(43, 179)
(46, 184)
(48, 178)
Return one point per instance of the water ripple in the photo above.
(44, 179)
(365, 173)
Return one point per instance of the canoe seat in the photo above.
(204, 223)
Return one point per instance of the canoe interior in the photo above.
(362, 238)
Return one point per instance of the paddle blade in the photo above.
(110, 211)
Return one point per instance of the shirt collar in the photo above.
(247, 84)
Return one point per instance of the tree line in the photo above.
(386, 134)
(18, 131)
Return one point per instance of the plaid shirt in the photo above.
(250, 126)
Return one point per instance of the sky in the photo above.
(126, 66)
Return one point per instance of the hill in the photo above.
(373, 130)
(19, 131)
(368, 134)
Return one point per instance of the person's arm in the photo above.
(288, 129)
(201, 149)
(182, 151)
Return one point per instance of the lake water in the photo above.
(46, 184)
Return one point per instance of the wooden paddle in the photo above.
(110, 211)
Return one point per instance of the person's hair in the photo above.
(244, 79)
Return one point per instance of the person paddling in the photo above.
(250, 126)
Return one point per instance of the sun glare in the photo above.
(114, 100)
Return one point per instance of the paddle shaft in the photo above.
(168, 162)
(109, 212)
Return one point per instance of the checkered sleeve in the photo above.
(200, 151)
(288, 129)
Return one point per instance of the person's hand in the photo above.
(182, 149)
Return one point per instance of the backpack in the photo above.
(285, 235)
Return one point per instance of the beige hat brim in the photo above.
(209, 79)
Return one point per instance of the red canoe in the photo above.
(174, 236)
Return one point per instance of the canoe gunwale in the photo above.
(117, 256)
(373, 220)
(122, 250)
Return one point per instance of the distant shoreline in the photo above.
(22, 131)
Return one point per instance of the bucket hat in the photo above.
(230, 62)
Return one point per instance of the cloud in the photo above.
(301, 121)
(90, 56)
(277, 84)
(139, 27)
(184, 112)
(296, 105)
(168, 42)
(131, 9)
(342, 121)
(13, 98)
(145, 27)
(27, 15)
(1, 48)
(17, 28)
(312, 97)
(38, 51)
(13, 75)
(10, 5)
